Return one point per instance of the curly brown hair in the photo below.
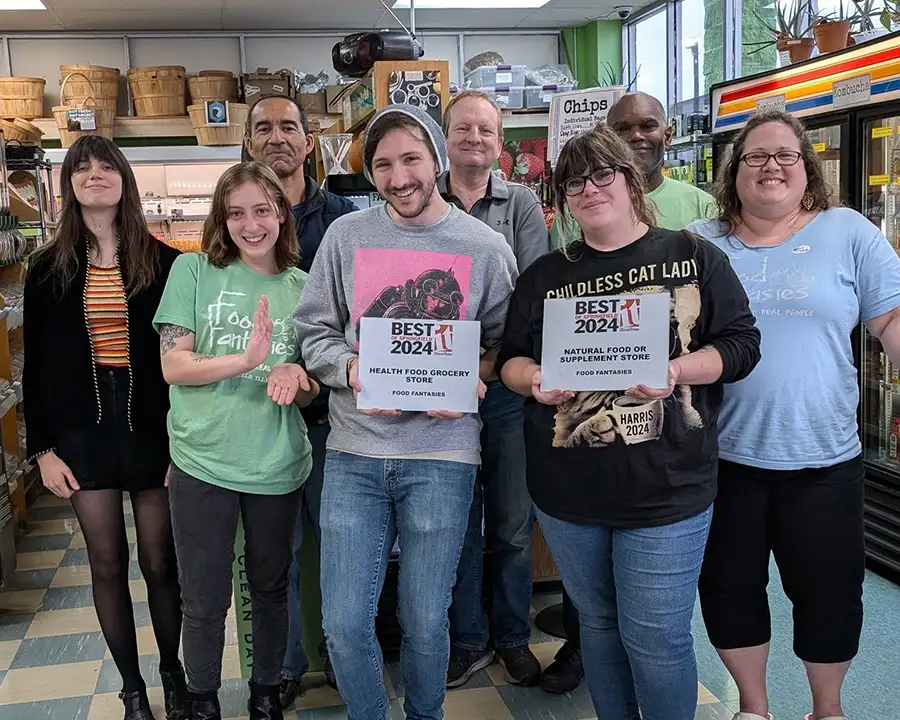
(599, 148)
(217, 242)
(725, 187)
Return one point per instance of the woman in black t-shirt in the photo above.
(623, 482)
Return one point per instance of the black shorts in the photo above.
(107, 455)
(812, 521)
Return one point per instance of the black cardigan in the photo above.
(58, 385)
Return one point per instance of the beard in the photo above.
(424, 202)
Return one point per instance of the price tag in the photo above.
(504, 78)
(882, 132)
(879, 179)
(819, 147)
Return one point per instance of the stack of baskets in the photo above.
(86, 87)
(22, 97)
(219, 86)
(21, 132)
(158, 91)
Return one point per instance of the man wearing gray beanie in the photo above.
(392, 473)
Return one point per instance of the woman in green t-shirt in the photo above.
(237, 439)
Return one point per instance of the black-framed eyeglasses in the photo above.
(599, 178)
(758, 158)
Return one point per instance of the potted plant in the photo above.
(890, 15)
(832, 30)
(790, 33)
(867, 11)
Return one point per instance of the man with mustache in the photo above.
(473, 126)
(392, 474)
(640, 120)
(278, 136)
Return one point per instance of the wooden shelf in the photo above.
(135, 127)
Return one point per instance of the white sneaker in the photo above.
(751, 716)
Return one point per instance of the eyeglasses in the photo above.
(758, 158)
(599, 178)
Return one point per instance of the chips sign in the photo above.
(575, 113)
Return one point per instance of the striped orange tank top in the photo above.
(106, 316)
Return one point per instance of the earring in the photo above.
(807, 202)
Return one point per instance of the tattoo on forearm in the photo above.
(200, 357)
(168, 334)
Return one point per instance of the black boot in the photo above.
(137, 706)
(265, 702)
(205, 707)
(177, 697)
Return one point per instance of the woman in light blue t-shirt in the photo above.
(791, 469)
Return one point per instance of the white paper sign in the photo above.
(419, 365)
(575, 113)
(612, 342)
(79, 119)
(852, 91)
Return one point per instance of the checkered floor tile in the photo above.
(54, 662)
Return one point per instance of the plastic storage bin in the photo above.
(539, 97)
(494, 75)
(507, 97)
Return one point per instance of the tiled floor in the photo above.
(54, 664)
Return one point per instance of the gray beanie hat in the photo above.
(432, 130)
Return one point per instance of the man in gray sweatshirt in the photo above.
(391, 473)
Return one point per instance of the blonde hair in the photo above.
(599, 148)
(217, 242)
(477, 94)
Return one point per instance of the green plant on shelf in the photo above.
(866, 13)
(890, 14)
(611, 77)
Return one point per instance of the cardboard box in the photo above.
(262, 82)
(314, 103)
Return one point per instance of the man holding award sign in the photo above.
(400, 301)
(620, 344)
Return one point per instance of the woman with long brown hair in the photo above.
(96, 402)
(791, 469)
(238, 441)
(623, 482)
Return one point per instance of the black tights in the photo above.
(102, 519)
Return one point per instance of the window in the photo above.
(702, 47)
(650, 47)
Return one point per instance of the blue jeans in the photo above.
(366, 504)
(508, 519)
(635, 592)
(295, 661)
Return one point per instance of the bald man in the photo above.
(640, 120)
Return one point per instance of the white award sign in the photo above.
(613, 342)
(419, 365)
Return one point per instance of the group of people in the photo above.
(222, 385)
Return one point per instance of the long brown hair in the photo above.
(138, 250)
(217, 242)
(725, 187)
(599, 148)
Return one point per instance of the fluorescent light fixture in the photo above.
(21, 5)
(471, 4)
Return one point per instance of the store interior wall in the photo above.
(592, 49)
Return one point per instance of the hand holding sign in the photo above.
(353, 375)
(642, 392)
(553, 397)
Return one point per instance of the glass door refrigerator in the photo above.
(850, 104)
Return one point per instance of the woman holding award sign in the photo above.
(623, 479)
(791, 469)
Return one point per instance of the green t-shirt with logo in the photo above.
(230, 433)
(677, 205)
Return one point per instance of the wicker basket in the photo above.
(80, 82)
(12, 132)
(231, 134)
(158, 91)
(218, 85)
(22, 97)
(105, 119)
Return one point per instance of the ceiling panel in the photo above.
(288, 15)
